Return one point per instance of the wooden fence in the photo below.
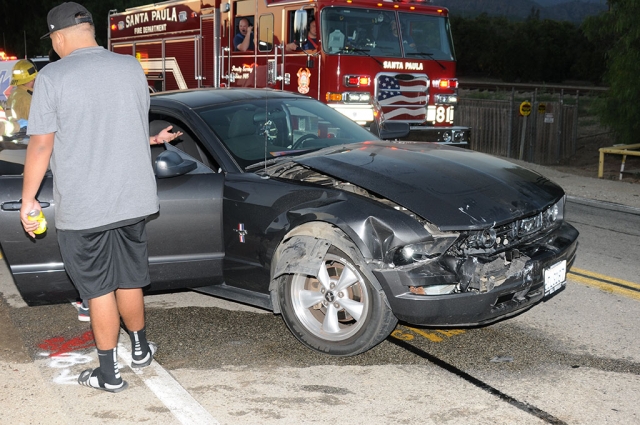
(546, 136)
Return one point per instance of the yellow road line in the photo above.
(606, 283)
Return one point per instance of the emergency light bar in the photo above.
(5, 57)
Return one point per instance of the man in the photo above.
(23, 77)
(312, 44)
(243, 40)
(407, 41)
(89, 116)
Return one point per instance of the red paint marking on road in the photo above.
(59, 345)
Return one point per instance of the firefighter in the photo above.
(23, 76)
(243, 41)
(312, 44)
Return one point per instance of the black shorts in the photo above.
(104, 259)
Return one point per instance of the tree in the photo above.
(620, 106)
(530, 50)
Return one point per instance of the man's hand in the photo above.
(165, 136)
(28, 225)
(37, 161)
(291, 47)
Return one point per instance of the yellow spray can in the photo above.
(36, 215)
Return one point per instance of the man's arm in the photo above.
(244, 46)
(291, 47)
(35, 166)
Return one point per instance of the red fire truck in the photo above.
(384, 60)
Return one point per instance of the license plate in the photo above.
(555, 277)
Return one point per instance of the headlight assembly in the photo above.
(417, 252)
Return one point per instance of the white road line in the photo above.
(184, 407)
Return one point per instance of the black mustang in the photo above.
(278, 201)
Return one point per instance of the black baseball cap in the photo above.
(66, 15)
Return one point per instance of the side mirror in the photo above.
(171, 164)
(390, 130)
(300, 26)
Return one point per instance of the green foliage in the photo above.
(525, 51)
(620, 107)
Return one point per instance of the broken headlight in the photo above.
(507, 235)
(413, 253)
(555, 212)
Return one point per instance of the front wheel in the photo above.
(337, 312)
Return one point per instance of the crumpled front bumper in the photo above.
(517, 293)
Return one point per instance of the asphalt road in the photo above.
(573, 359)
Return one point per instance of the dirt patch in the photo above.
(586, 159)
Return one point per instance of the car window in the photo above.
(187, 143)
(253, 131)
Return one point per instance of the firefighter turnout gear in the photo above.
(19, 103)
(7, 125)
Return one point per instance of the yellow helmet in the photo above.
(23, 72)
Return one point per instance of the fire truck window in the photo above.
(244, 29)
(292, 36)
(265, 39)
(430, 35)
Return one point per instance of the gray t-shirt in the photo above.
(97, 104)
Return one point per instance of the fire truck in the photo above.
(372, 60)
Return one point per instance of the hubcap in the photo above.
(334, 304)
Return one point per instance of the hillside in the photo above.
(573, 11)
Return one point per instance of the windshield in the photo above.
(258, 130)
(352, 31)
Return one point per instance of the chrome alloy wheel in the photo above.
(335, 304)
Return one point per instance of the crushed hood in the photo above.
(452, 188)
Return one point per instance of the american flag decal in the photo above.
(241, 232)
(403, 97)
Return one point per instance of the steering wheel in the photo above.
(298, 143)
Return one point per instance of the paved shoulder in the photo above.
(22, 380)
(613, 191)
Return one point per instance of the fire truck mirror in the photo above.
(300, 27)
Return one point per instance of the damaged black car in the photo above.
(278, 201)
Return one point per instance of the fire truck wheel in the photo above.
(300, 142)
(338, 312)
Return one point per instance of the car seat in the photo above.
(336, 41)
(242, 131)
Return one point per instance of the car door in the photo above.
(36, 265)
(185, 237)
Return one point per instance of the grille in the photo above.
(403, 97)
